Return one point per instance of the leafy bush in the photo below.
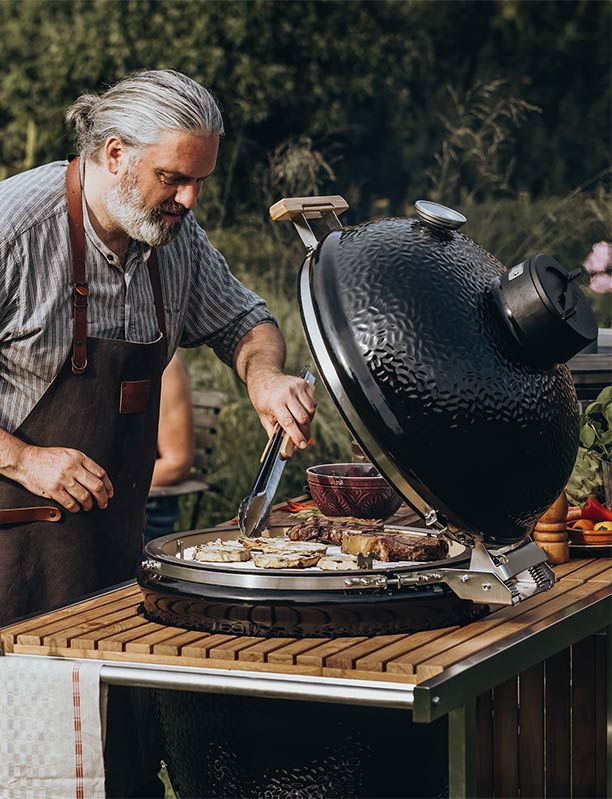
(587, 478)
(596, 425)
(367, 82)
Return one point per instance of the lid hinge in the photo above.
(503, 579)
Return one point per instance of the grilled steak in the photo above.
(411, 547)
(392, 546)
(329, 531)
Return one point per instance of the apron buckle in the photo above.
(78, 367)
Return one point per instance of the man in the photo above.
(104, 273)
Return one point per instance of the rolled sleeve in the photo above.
(221, 309)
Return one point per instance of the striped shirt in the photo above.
(203, 302)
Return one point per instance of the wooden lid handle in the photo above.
(311, 207)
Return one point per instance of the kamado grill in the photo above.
(447, 368)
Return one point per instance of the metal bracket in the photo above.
(368, 581)
(365, 561)
(305, 232)
(478, 586)
(505, 578)
(300, 209)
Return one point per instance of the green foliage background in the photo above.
(366, 81)
(498, 108)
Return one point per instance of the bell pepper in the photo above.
(596, 512)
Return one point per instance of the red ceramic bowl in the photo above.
(352, 489)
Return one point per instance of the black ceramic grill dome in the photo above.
(406, 315)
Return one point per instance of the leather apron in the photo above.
(105, 403)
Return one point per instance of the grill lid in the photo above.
(402, 321)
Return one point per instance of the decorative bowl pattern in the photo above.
(352, 489)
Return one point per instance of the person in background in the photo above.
(175, 448)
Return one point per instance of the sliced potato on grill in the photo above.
(221, 552)
(255, 543)
(285, 560)
(283, 545)
(332, 563)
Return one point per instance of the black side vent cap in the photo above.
(544, 310)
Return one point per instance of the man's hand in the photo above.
(258, 360)
(65, 475)
(285, 399)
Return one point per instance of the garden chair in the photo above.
(206, 409)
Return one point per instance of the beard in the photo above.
(126, 205)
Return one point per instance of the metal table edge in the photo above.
(462, 682)
(250, 683)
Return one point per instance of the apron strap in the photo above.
(80, 289)
(159, 303)
(38, 513)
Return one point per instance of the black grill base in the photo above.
(306, 614)
(237, 747)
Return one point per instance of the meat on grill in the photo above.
(392, 546)
(360, 536)
(410, 547)
(329, 531)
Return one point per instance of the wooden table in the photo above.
(494, 678)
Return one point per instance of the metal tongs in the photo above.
(255, 508)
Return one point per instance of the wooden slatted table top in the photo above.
(109, 627)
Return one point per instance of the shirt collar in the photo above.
(134, 248)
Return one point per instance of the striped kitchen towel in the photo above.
(52, 718)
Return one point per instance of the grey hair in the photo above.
(139, 108)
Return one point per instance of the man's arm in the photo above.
(259, 358)
(66, 475)
(235, 322)
(175, 437)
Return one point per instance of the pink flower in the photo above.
(601, 283)
(599, 259)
